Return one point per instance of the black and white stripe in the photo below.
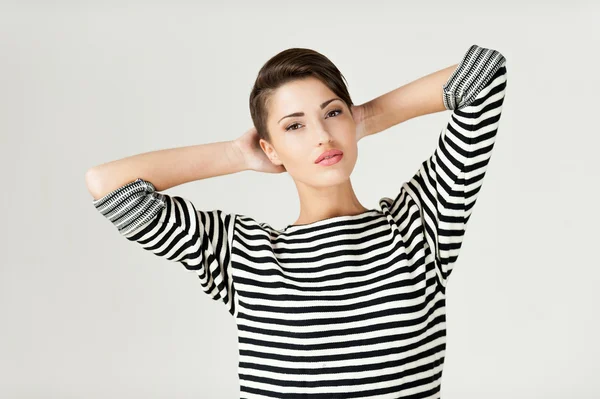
(350, 306)
(463, 86)
(447, 184)
(172, 228)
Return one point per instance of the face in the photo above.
(297, 141)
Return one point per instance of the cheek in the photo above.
(350, 155)
(294, 155)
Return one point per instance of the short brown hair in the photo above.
(286, 66)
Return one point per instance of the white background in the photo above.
(86, 314)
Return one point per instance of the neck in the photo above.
(318, 203)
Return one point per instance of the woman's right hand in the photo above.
(255, 158)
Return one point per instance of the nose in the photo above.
(325, 140)
(323, 136)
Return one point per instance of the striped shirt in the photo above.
(350, 306)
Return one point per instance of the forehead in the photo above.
(300, 95)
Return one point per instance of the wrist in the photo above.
(237, 156)
(365, 125)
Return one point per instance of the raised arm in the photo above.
(175, 166)
(167, 168)
(432, 93)
(447, 184)
(419, 97)
(126, 192)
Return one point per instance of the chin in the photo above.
(331, 177)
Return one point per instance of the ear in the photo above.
(270, 152)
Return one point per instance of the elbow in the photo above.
(93, 183)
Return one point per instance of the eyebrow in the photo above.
(302, 113)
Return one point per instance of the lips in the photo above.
(328, 153)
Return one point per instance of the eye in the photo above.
(297, 124)
(335, 110)
(289, 127)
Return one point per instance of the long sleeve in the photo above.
(447, 184)
(172, 228)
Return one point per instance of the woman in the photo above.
(346, 302)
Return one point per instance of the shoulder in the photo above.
(251, 224)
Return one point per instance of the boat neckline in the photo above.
(295, 227)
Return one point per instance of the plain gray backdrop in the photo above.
(85, 313)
